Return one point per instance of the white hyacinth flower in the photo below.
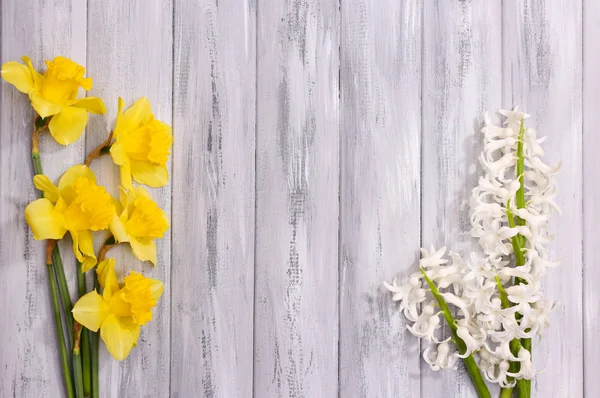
(495, 302)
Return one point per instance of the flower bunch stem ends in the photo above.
(56, 275)
(95, 344)
(85, 341)
(471, 365)
(64, 358)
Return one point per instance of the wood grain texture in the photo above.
(297, 144)
(28, 343)
(380, 191)
(318, 144)
(461, 80)
(542, 67)
(130, 55)
(213, 203)
(591, 191)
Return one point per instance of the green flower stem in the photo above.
(514, 345)
(518, 243)
(520, 195)
(95, 345)
(474, 373)
(85, 342)
(56, 273)
(64, 359)
(63, 289)
(77, 368)
(506, 392)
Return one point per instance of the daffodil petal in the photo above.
(43, 219)
(36, 76)
(88, 263)
(18, 75)
(137, 114)
(107, 277)
(117, 227)
(119, 125)
(44, 184)
(91, 104)
(120, 334)
(86, 247)
(141, 191)
(117, 152)
(91, 310)
(42, 106)
(81, 249)
(153, 175)
(156, 288)
(72, 174)
(126, 180)
(67, 126)
(144, 249)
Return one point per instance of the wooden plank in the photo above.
(461, 80)
(29, 360)
(542, 67)
(213, 217)
(591, 191)
(380, 191)
(296, 299)
(130, 55)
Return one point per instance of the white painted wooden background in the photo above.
(318, 144)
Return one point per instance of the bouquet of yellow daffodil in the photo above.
(140, 145)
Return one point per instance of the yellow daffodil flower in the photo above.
(142, 145)
(77, 205)
(120, 310)
(140, 222)
(55, 94)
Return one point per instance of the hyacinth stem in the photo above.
(514, 345)
(64, 358)
(506, 392)
(85, 343)
(518, 242)
(472, 369)
(95, 343)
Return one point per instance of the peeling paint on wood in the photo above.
(380, 190)
(461, 80)
(129, 54)
(542, 67)
(591, 189)
(213, 202)
(296, 300)
(28, 340)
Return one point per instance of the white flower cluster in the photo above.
(497, 296)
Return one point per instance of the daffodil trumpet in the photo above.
(139, 221)
(121, 310)
(77, 205)
(140, 146)
(54, 94)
